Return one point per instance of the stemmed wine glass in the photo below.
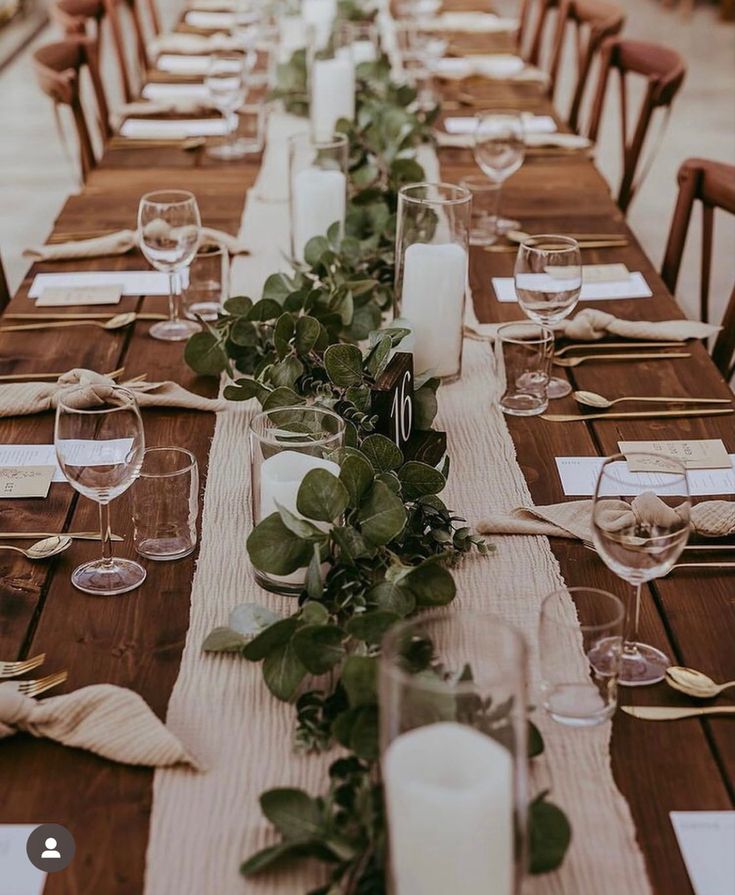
(99, 444)
(640, 524)
(548, 283)
(226, 82)
(169, 230)
(499, 150)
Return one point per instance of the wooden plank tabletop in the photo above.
(136, 640)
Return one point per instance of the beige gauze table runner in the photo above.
(204, 824)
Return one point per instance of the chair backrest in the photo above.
(58, 68)
(712, 184)
(664, 71)
(534, 19)
(593, 21)
(118, 11)
(4, 290)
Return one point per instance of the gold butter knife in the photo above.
(631, 415)
(77, 535)
(672, 713)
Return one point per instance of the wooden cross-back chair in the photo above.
(713, 184)
(4, 290)
(58, 68)
(664, 71)
(121, 14)
(534, 18)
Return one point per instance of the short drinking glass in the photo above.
(524, 352)
(208, 285)
(548, 283)
(165, 504)
(580, 652)
(485, 203)
(99, 444)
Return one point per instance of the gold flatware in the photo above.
(521, 235)
(185, 144)
(15, 669)
(42, 684)
(694, 683)
(142, 315)
(703, 565)
(583, 244)
(693, 547)
(576, 361)
(31, 377)
(672, 713)
(119, 321)
(595, 346)
(44, 549)
(75, 535)
(592, 399)
(637, 415)
(77, 235)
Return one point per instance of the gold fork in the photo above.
(15, 669)
(576, 361)
(41, 684)
(31, 377)
(635, 345)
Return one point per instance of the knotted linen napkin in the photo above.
(111, 721)
(571, 142)
(119, 243)
(469, 23)
(591, 325)
(493, 67)
(24, 398)
(573, 519)
(192, 44)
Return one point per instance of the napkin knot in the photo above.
(645, 512)
(588, 325)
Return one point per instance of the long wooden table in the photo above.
(136, 640)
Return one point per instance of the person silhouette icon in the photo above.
(51, 850)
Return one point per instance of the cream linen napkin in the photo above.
(533, 141)
(192, 44)
(469, 22)
(157, 107)
(119, 243)
(497, 67)
(592, 325)
(573, 519)
(24, 398)
(111, 721)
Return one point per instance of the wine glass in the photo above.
(99, 444)
(499, 150)
(640, 524)
(169, 230)
(548, 283)
(226, 81)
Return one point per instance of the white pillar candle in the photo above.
(280, 479)
(432, 298)
(318, 199)
(363, 51)
(332, 94)
(320, 15)
(449, 793)
(292, 36)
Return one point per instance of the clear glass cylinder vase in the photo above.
(285, 444)
(317, 187)
(432, 244)
(453, 728)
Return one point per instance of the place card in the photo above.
(701, 453)
(63, 297)
(706, 842)
(160, 92)
(25, 481)
(174, 129)
(103, 452)
(603, 273)
(532, 124)
(132, 282)
(210, 21)
(635, 286)
(195, 66)
(17, 875)
(579, 478)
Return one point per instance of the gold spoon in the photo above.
(592, 399)
(44, 549)
(119, 321)
(694, 683)
(576, 361)
(521, 236)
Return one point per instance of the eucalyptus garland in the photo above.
(386, 538)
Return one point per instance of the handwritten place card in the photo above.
(82, 452)
(701, 453)
(635, 286)
(17, 875)
(64, 297)
(706, 841)
(25, 481)
(132, 282)
(579, 478)
(592, 273)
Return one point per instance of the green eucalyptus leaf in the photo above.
(250, 619)
(265, 309)
(359, 679)
(238, 305)
(292, 812)
(419, 479)
(315, 249)
(535, 741)
(286, 372)
(382, 515)
(364, 733)
(425, 408)
(378, 357)
(271, 638)
(282, 852)
(392, 597)
(275, 549)
(277, 288)
(282, 397)
(244, 333)
(224, 640)
(356, 474)
(283, 672)
(313, 613)
(351, 544)
(322, 496)
(431, 584)
(283, 333)
(371, 626)
(319, 647)
(314, 583)
(245, 389)
(302, 528)
(344, 365)
(383, 453)
(308, 330)
(205, 354)
(549, 835)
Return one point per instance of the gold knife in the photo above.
(78, 535)
(631, 415)
(672, 713)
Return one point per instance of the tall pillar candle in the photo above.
(449, 795)
(432, 298)
(280, 479)
(320, 15)
(318, 199)
(332, 94)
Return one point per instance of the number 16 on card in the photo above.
(393, 399)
